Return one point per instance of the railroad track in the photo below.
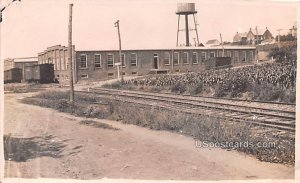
(273, 115)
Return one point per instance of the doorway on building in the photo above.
(155, 61)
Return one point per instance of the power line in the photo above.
(2, 9)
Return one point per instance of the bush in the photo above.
(197, 89)
(179, 87)
(218, 91)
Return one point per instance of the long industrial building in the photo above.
(100, 64)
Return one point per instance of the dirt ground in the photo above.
(45, 143)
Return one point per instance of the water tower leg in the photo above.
(177, 30)
(196, 29)
(187, 43)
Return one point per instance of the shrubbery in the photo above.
(267, 82)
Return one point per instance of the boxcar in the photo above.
(29, 74)
(43, 73)
(218, 63)
(13, 75)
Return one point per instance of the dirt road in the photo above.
(47, 143)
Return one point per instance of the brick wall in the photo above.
(145, 61)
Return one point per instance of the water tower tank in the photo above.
(186, 8)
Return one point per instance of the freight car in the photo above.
(42, 73)
(13, 75)
(218, 63)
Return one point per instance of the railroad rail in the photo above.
(272, 115)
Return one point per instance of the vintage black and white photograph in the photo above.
(148, 90)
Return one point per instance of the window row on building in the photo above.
(196, 58)
(110, 60)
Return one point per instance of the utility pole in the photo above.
(279, 37)
(195, 42)
(120, 49)
(256, 35)
(2, 9)
(196, 29)
(71, 55)
(223, 53)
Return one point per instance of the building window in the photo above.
(177, 70)
(98, 61)
(167, 58)
(244, 56)
(62, 63)
(236, 56)
(49, 61)
(123, 59)
(220, 53)
(251, 55)
(67, 63)
(133, 59)
(176, 58)
(212, 54)
(110, 60)
(84, 76)
(83, 61)
(228, 53)
(185, 58)
(195, 58)
(203, 56)
(57, 63)
(134, 73)
(66, 59)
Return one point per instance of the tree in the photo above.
(284, 54)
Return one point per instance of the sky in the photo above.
(30, 26)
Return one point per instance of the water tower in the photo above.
(186, 9)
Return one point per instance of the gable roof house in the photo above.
(240, 38)
(254, 36)
(213, 42)
(267, 34)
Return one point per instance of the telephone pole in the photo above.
(71, 55)
(120, 49)
(256, 35)
(2, 9)
(279, 37)
(223, 51)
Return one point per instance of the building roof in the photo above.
(228, 47)
(242, 34)
(258, 32)
(213, 41)
(26, 59)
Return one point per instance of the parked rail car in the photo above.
(218, 63)
(43, 73)
(13, 75)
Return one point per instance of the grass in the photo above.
(21, 87)
(202, 127)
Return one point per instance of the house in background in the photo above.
(293, 31)
(267, 35)
(256, 36)
(240, 38)
(213, 42)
